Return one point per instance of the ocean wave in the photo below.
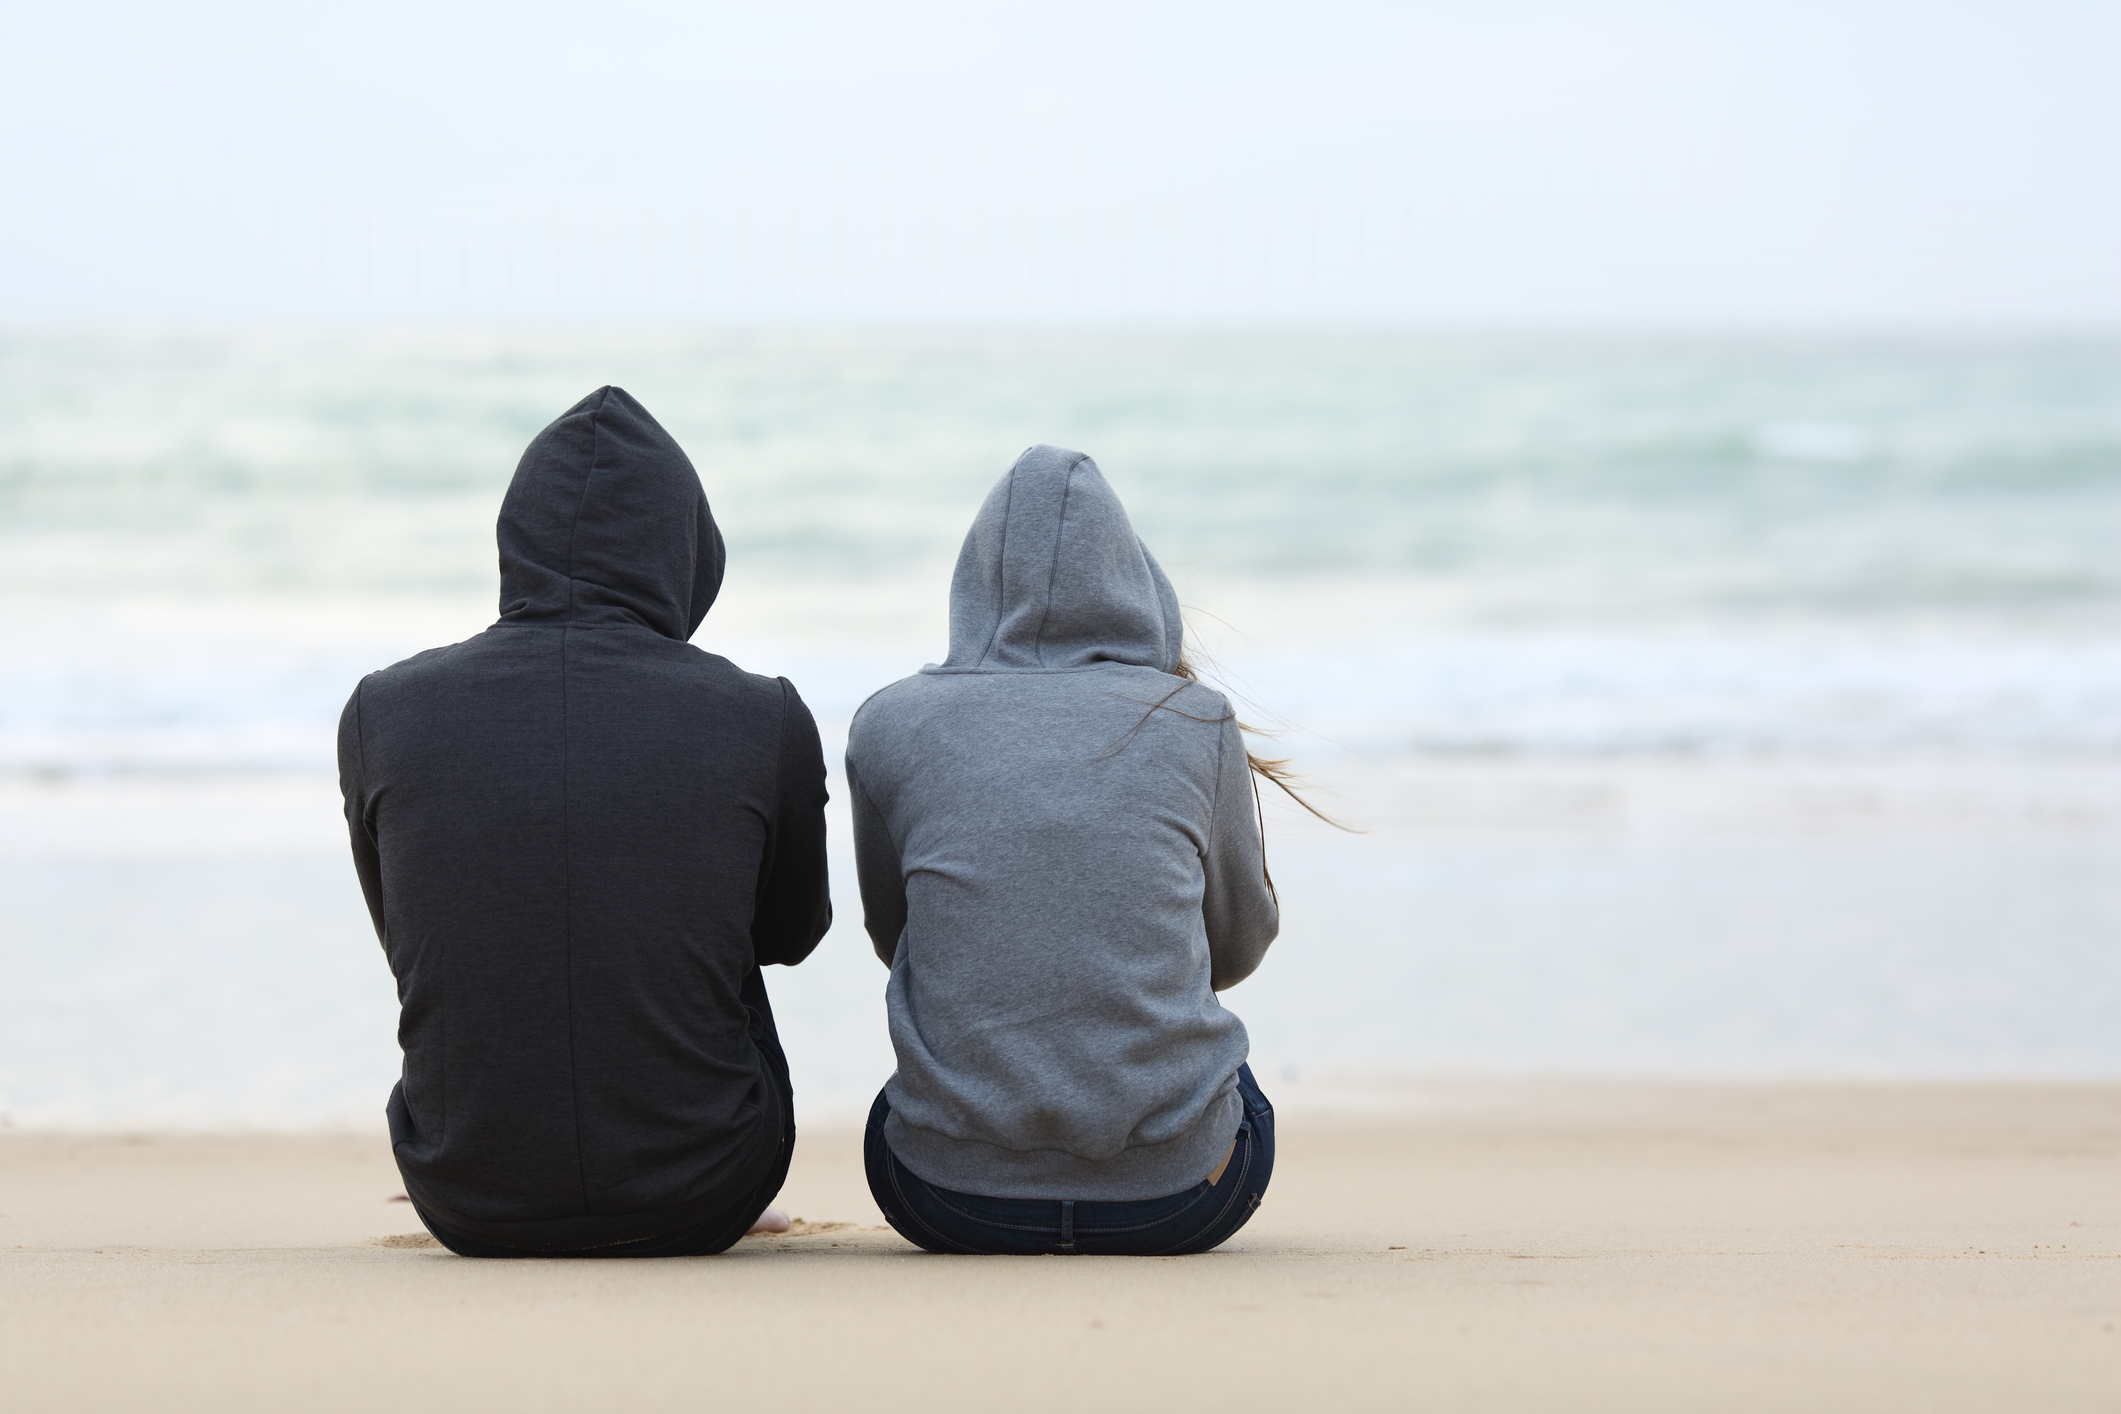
(185, 696)
(1547, 476)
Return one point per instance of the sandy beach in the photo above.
(1449, 1244)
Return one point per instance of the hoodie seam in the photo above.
(1060, 532)
(936, 670)
(1001, 571)
(857, 791)
(574, 1074)
(574, 1077)
(1215, 802)
(574, 526)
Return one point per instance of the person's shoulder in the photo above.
(893, 698)
(1199, 699)
(1189, 696)
(410, 673)
(1186, 714)
(763, 688)
(897, 702)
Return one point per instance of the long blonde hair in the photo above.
(1274, 770)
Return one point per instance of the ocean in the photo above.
(1700, 706)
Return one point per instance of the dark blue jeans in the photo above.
(943, 1220)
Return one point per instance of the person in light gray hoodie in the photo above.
(1057, 838)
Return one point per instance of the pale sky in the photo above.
(1641, 163)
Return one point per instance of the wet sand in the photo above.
(1476, 1245)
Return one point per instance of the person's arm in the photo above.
(877, 867)
(1238, 904)
(353, 792)
(794, 903)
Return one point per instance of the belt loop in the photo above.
(1068, 1223)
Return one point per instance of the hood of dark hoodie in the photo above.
(606, 522)
(1052, 576)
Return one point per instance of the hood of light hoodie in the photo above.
(1053, 577)
(606, 522)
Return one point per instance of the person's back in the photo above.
(580, 837)
(1059, 858)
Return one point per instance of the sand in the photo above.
(1536, 1245)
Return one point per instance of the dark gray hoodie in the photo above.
(1060, 873)
(579, 835)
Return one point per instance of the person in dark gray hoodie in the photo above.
(1058, 845)
(580, 838)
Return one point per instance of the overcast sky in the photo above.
(1639, 163)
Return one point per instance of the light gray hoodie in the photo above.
(1060, 873)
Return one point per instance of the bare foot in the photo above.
(772, 1220)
